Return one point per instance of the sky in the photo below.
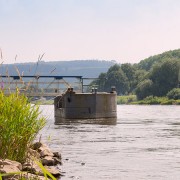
(126, 31)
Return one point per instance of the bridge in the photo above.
(42, 86)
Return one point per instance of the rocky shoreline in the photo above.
(40, 160)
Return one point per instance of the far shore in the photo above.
(129, 99)
(151, 100)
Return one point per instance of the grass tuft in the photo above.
(20, 122)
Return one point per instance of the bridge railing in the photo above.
(40, 85)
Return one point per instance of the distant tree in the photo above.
(160, 80)
(174, 94)
(165, 76)
(140, 75)
(114, 77)
(115, 67)
(129, 70)
(99, 83)
(147, 64)
(118, 79)
(144, 89)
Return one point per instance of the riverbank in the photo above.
(41, 164)
(20, 158)
(131, 99)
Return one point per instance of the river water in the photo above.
(144, 144)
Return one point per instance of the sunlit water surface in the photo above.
(143, 144)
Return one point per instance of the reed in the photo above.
(20, 122)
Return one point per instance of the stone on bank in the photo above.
(30, 169)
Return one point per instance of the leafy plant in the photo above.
(20, 122)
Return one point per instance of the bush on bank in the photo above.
(19, 124)
(126, 99)
(174, 94)
(152, 100)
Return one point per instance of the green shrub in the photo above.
(19, 124)
(126, 99)
(169, 102)
(153, 100)
(174, 94)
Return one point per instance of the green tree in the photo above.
(144, 89)
(147, 63)
(99, 83)
(174, 94)
(116, 67)
(129, 71)
(165, 76)
(119, 80)
(140, 75)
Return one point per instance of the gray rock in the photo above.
(32, 168)
(53, 170)
(57, 161)
(36, 145)
(48, 161)
(33, 154)
(10, 167)
(45, 151)
(38, 151)
(33, 176)
(57, 154)
(8, 163)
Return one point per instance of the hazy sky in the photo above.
(121, 30)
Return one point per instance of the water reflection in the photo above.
(100, 121)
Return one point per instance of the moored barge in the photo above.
(95, 105)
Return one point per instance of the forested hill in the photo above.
(155, 76)
(85, 68)
(146, 64)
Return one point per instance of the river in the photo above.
(144, 144)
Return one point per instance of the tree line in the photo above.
(154, 76)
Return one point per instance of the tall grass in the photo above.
(19, 124)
